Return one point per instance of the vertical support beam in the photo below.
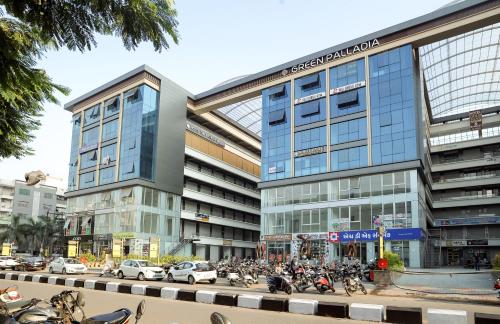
(328, 140)
(98, 164)
(78, 160)
(368, 111)
(119, 138)
(292, 127)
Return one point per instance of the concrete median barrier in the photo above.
(8, 276)
(153, 291)
(36, 278)
(303, 306)
(226, 299)
(367, 312)
(205, 296)
(169, 293)
(186, 295)
(440, 316)
(403, 315)
(52, 280)
(89, 284)
(274, 304)
(249, 301)
(70, 282)
(21, 277)
(481, 318)
(331, 309)
(112, 286)
(139, 289)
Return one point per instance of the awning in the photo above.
(85, 221)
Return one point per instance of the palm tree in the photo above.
(35, 230)
(51, 228)
(13, 232)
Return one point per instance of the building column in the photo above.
(370, 251)
(415, 248)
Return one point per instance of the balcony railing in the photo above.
(222, 179)
(493, 195)
(476, 177)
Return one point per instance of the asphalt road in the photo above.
(168, 311)
(340, 296)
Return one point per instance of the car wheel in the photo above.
(170, 278)
(191, 280)
(212, 281)
(120, 275)
(63, 271)
(51, 271)
(141, 276)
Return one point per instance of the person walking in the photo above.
(476, 261)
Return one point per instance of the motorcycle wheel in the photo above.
(247, 285)
(346, 287)
(231, 282)
(288, 290)
(272, 289)
(363, 289)
(300, 289)
(321, 291)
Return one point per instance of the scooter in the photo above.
(107, 270)
(279, 283)
(324, 282)
(240, 278)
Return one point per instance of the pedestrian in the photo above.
(476, 261)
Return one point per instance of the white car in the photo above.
(7, 262)
(67, 265)
(140, 269)
(192, 272)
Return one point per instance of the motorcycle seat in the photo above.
(110, 318)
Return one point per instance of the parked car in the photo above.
(140, 269)
(192, 272)
(31, 264)
(7, 262)
(67, 265)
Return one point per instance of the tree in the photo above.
(13, 232)
(32, 27)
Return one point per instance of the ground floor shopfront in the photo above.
(463, 252)
(335, 246)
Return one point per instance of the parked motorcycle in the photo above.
(325, 282)
(303, 279)
(108, 270)
(352, 281)
(240, 277)
(279, 283)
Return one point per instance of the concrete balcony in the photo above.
(464, 201)
(196, 195)
(464, 164)
(185, 214)
(225, 242)
(195, 174)
(220, 164)
(483, 180)
(465, 144)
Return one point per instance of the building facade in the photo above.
(6, 200)
(140, 168)
(397, 129)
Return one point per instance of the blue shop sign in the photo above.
(391, 234)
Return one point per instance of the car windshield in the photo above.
(146, 264)
(35, 259)
(203, 267)
(71, 261)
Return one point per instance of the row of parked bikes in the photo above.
(299, 276)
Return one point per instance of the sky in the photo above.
(220, 39)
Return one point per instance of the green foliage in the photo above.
(29, 28)
(394, 261)
(89, 257)
(496, 262)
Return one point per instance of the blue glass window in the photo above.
(92, 115)
(310, 84)
(108, 154)
(310, 112)
(348, 131)
(87, 180)
(109, 130)
(107, 175)
(310, 138)
(312, 164)
(90, 137)
(112, 106)
(392, 102)
(276, 133)
(348, 102)
(74, 154)
(350, 158)
(139, 130)
(89, 159)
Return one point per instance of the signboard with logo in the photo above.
(394, 234)
(311, 151)
(348, 87)
(468, 221)
(475, 120)
(477, 242)
(205, 134)
(313, 236)
(333, 237)
(227, 243)
(309, 98)
(202, 217)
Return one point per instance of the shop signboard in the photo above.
(154, 244)
(123, 235)
(452, 243)
(468, 221)
(227, 243)
(333, 237)
(278, 237)
(475, 120)
(72, 249)
(6, 249)
(202, 217)
(477, 242)
(394, 234)
(313, 236)
(117, 248)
